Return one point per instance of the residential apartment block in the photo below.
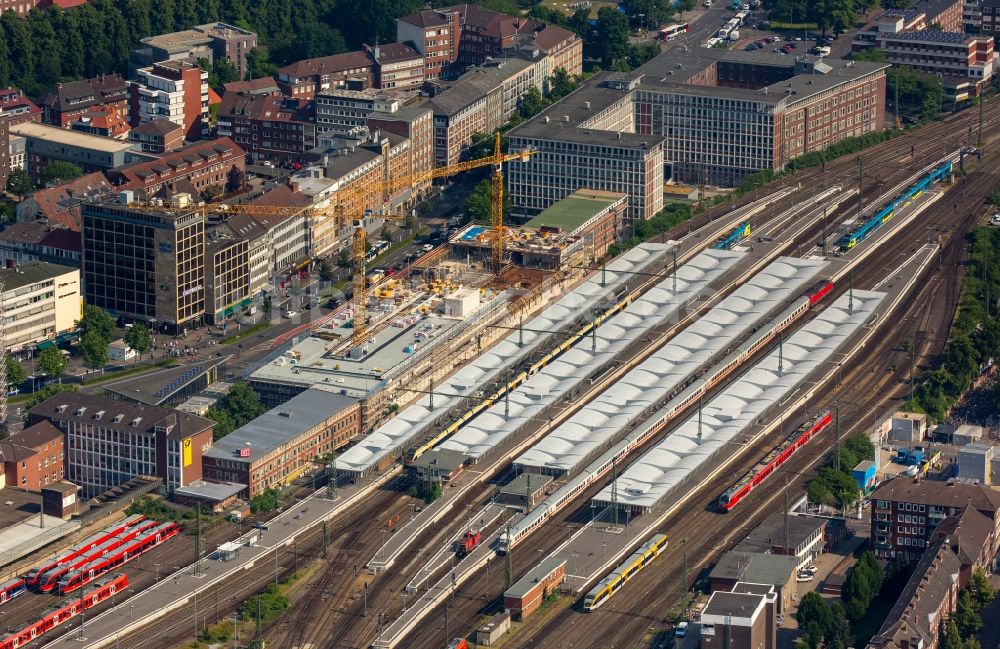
(905, 513)
(212, 42)
(41, 301)
(110, 442)
(33, 458)
(964, 63)
(157, 136)
(145, 265)
(69, 100)
(28, 241)
(175, 90)
(102, 120)
(269, 127)
(220, 162)
(303, 79)
(707, 116)
(397, 66)
(17, 108)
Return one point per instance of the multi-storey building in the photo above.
(33, 458)
(176, 90)
(989, 21)
(41, 301)
(28, 241)
(282, 443)
(145, 265)
(972, 16)
(416, 124)
(905, 513)
(19, 7)
(5, 149)
(259, 252)
(218, 162)
(212, 42)
(451, 39)
(69, 100)
(227, 274)
(45, 144)
(60, 205)
(110, 442)
(269, 127)
(158, 136)
(706, 116)
(305, 78)
(964, 63)
(345, 111)
(286, 237)
(18, 108)
(397, 66)
(480, 101)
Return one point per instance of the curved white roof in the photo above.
(681, 453)
(657, 306)
(415, 420)
(567, 447)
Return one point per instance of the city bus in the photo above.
(670, 32)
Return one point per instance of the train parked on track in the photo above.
(122, 555)
(677, 402)
(102, 590)
(888, 210)
(741, 232)
(778, 456)
(83, 548)
(610, 585)
(11, 589)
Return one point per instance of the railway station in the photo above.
(430, 411)
(669, 369)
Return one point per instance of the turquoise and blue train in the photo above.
(888, 210)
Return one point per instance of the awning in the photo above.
(67, 337)
(45, 344)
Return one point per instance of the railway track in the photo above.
(329, 614)
(884, 372)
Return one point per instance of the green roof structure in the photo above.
(572, 212)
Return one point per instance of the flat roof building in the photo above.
(41, 302)
(805, 536)
(526, 595)
(525, 491)
(736, 621)
(282, 443)
(212, 41)
(45, 144)
(770, 569)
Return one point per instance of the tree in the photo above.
(94, 350)
(222, 72)
(979, 586)
(243, 403)
(139, 339)
(532, 103)
(951, 639)
(326, 270)
(259, 64)
(815, 617)
(223, 422)
(60, 172)
(479, 204)
(561, 84)
(610, 43)
(212, 192)
(51, 362)
(862, 584)
(966, 615)
(97, 320)
(48, 392)
(19, 183)
(15, 373)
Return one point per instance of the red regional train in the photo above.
(778, 456)
(123, 554)
(83, 548)
(52, 618)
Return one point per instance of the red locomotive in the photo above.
(467, 543)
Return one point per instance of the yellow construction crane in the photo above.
(388, 186)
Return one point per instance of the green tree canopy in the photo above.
(95, 319)
(94, 350)
(60, 172)
(51, 362)
(611, 40)
(139, 339)
(479, 204)
(15, 373)
(19, 183)
(237, 408)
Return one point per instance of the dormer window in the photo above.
(80, 411)
(135, 422)
(117, 419)
(98, 414)
(61, 408)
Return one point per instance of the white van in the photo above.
(681, 630)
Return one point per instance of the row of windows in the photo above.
(915, 531)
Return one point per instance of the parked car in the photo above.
(427, 247)
(803, 577)
(291, 314)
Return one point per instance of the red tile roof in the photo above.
(60, 205)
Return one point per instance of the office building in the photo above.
(218, 163)
(964, 63)
(145, 265)
(905, 512)
(110, 442)
(45, 144)
(269, 127)
(41, 304)
(279, 445)
(175, 90)
(211, 42)
(802, 537)
(69, 100)
(33, 458)
(735, 621)
(227, 274)
(777, 571)
(343, 111)
(397, 66)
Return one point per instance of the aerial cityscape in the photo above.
(617, 324)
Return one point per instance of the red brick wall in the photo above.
(34, 472)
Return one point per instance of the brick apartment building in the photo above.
(282, 443)
(964, 63)
(104, 121)
(157, 136)
(45, 144)
(905, 513)
(109, 442)
(33, 458)
(176, 90)
(69, 100)
(199, 165)
(269, 127)
(18, 108)
(397, 66)
(303, 79)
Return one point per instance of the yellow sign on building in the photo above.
(187, 452)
